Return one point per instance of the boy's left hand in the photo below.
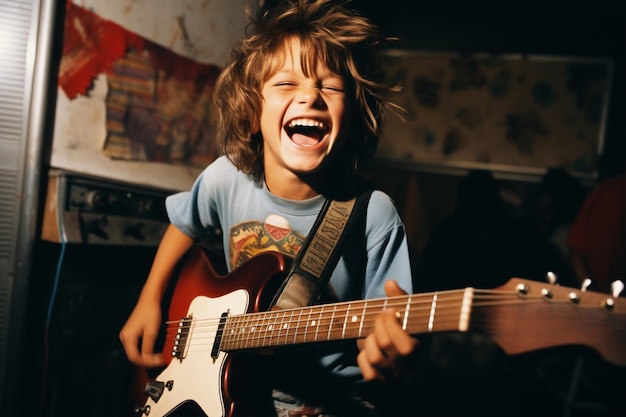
(384, 352)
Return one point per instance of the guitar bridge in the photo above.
(179, 349)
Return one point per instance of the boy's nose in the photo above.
(309, 95)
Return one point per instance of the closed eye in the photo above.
(332, 89)
(285, 84)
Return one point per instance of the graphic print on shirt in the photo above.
(250, 238)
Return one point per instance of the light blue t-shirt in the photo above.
(254, 220)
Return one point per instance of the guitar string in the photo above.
(294, 325)
(391, 302)
(495, 298)
(200, 345)
(252, 335)
(210, 326)
(253, 318)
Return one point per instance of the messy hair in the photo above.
(328, 32)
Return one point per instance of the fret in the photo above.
(270, 329)
(275, 330)
(284, 328)
(309, 323)
(241, 331)
(289, 326)
(297, 327)
(360, 334)
(247, 330)
(228, 332)
(263, 339)
(243, 334)
(382, 309)
(234, 332)
(319, 322)
(354, 324)
(466, 307)
(325, 323)
(407, 309)
(303, 325)
(374, 307)
(345, 322)
(281, 327)
(330, 324)
(431, 315)
(278, 327)
(351, 323)
(237, 332)
(260, 339)
(252, 330)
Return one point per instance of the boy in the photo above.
(300, 105)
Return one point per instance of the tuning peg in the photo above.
(586, 283)
(617, 287)
(551, 277)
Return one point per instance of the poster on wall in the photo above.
(510, 114)
(135, 86)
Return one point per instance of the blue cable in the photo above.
(55, 286)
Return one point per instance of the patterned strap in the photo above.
(313, 265)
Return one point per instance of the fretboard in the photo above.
(417, 313)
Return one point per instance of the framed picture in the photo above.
(509, 113)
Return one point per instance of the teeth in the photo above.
(307, 122)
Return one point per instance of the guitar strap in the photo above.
(316, 260)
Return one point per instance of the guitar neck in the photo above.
(417, 313)
(519, 316)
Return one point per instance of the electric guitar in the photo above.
(213, 318)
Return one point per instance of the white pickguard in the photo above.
(198, 377)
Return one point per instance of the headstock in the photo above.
(524, 315)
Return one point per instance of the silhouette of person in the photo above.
(597, 238)
(547, 215)
(480, 244)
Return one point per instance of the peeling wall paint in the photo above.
(203, 30)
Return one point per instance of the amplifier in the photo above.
(88, 210)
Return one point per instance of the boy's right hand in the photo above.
(140, 332)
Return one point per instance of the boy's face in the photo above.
(303, 119)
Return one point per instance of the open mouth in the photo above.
(306, 132)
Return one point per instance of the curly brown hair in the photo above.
(329, 32)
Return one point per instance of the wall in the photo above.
(557, 27)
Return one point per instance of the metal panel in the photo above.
(25, 45)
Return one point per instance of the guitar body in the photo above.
(220, 386)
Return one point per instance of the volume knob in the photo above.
(97, 199)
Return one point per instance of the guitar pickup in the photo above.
(215, 351)
(180, 346)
